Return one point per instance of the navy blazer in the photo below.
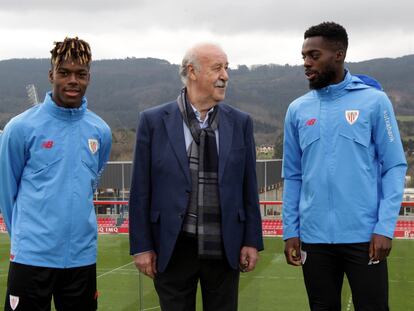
(161, 183)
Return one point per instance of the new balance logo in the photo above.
(47, 144)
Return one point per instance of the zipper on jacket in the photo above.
(74, 152)
(327, 114)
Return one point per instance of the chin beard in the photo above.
(322, 80)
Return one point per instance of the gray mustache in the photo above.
(220, 83)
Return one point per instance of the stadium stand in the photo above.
(272, 226)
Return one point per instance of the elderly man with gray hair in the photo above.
(194, 210)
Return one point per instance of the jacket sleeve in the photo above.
(12, 162)
(392, 167)
(292, 175)
(253, 234)
(140, 237)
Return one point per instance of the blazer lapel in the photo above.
(174, 125)
(225, 129)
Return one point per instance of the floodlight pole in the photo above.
(32, 94)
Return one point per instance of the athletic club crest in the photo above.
(93, 145)
(351, 116)
(14, 301)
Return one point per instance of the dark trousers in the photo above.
(31, 288)
(177, 285)
(324, 271)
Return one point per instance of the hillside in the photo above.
(119, 89)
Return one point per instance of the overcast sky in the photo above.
(251, 32)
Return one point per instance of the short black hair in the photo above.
(330, 31)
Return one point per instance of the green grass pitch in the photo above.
(272, 286)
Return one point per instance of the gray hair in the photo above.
(190, 58)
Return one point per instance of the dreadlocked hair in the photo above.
(71, 48)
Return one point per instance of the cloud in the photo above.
(221, 17)
(57, 6)
(261, 31)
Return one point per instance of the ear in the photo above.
(340, 55)
(191, 72)
(50, 75)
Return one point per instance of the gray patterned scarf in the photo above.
(203, 218)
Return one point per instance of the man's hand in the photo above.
(379, 248)
(146, 263)
(292, 252)
(248, 258)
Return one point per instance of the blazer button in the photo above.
(181, 215)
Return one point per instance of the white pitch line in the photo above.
(119, 268)
(244, 276)
(113, 270)
(105, 270)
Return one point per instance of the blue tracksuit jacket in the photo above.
(343, 165)
(50, 160)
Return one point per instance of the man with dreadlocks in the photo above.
(50, 159)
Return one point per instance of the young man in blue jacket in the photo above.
(343, 169)
(51, 157)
